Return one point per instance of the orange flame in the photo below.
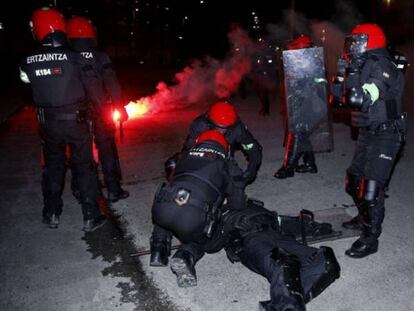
(137, 108)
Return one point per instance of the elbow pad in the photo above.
(337, 92)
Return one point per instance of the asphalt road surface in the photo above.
(65, 269)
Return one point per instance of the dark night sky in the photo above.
(205, 30)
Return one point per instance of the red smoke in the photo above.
(206, 79)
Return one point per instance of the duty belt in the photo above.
(395, 125)
(45, 115)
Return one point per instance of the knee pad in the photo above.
(331, 272)
(371, 190)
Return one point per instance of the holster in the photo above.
(212, 218)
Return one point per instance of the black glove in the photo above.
(341, 66)
(123, 114)
(170, 164)
(357, 61)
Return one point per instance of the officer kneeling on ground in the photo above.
(191, 207)
(223, 117)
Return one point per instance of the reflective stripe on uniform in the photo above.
(372, 90)
(247, 146)
(23, 76)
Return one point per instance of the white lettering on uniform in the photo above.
(43, 72)
(87, 54)
(385, 157)
(203, 150)
(197, 154)
(46, 57)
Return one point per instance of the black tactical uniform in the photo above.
(303, 104)
(239, 138)
(374, 86)
(251, 234)
(103, 125)
(59, 78)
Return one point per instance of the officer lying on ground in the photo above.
(190, 207)
(221, 116)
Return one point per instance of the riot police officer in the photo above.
(297, 141)
(190, 206)
(221, 116)
(82, 38)
(369, 82)
(58, 78)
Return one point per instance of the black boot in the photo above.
(372, 207)
(268, 306)
(182, 265)
(118, 195)
(308, 165)
(285, 172)
(291, 158)
(353, 188)
(160, 251)
(52, 221)
(327, 275)
(90, 225)
(286, 290)
(362, 248)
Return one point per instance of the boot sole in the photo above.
(359, 255)
(95, 227)
(283, 177)
(184, 276)
(157, 263)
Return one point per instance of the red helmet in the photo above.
(376, 36)
(222, 114)
(45, 21)
(213, 135)
(301, 42)
(80, 28)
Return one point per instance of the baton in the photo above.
(148, 251)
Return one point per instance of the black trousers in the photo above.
(108, 154)
(257, 256)
(375, 155)
(104, 136)
(56, 135)
(236, 200)
(374, 158)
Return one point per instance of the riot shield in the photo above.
(305, 88)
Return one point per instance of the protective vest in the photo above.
(380, 70)
(102, 65)
(55, 76)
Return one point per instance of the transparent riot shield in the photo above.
(305, 88)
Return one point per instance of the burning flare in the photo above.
(137, 108)
(134, 109)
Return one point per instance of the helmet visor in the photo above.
(355, 45)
